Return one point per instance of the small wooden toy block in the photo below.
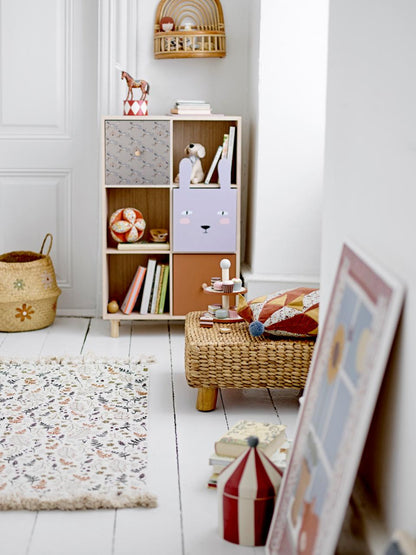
(206, 320)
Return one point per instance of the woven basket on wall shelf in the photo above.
(198, 29)
(28, 290)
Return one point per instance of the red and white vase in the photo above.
(136, 108)
(247, 491)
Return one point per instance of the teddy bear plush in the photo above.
(195, 151)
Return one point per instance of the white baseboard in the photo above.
(263, 284)
(77, 312)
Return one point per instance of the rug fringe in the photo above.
(142, 499)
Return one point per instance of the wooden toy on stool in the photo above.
(224, 312)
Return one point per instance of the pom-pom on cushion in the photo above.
(127, 225)
(290, 312)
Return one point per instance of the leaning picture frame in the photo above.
(343, 383)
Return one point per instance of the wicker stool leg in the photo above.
(207, 398)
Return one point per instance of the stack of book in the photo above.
(191, 108)
(151, 282)
(272, 441)
(224, 150)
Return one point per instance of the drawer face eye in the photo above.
(137, 152)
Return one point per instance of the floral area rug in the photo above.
(73, 434)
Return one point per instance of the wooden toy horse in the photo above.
(133, 84)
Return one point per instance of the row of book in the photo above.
(152, 283)
(224, 150)
(191, 108)
(272, 441)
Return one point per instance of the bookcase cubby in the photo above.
(141, 161)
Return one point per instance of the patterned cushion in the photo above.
(290, 312)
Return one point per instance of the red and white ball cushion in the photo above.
(127, 225)
(289, 312)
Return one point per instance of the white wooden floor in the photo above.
(180, 442)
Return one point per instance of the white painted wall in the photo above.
(370, 198)
(285, 201)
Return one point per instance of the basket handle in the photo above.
(50, 244)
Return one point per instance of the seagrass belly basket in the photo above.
(28, 290)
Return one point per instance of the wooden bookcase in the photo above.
(141, 160)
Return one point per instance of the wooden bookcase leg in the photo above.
(207, 398)
(115, 328)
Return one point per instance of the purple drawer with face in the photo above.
(204, 219)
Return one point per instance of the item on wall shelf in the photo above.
(247, 491)
(167, 24)
(131, 106)
(28, 289)
(190, 28)
(127, 225)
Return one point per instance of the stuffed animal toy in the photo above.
(195, 152)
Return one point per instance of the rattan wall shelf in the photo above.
(189, 29)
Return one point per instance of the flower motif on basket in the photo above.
(47, 280)
(24, 312)
(19, 284)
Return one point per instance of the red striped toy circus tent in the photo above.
(247, 490)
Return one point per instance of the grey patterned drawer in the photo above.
(137, 152)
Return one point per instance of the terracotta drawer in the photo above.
(190, 271)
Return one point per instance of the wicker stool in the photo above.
(238, 360)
